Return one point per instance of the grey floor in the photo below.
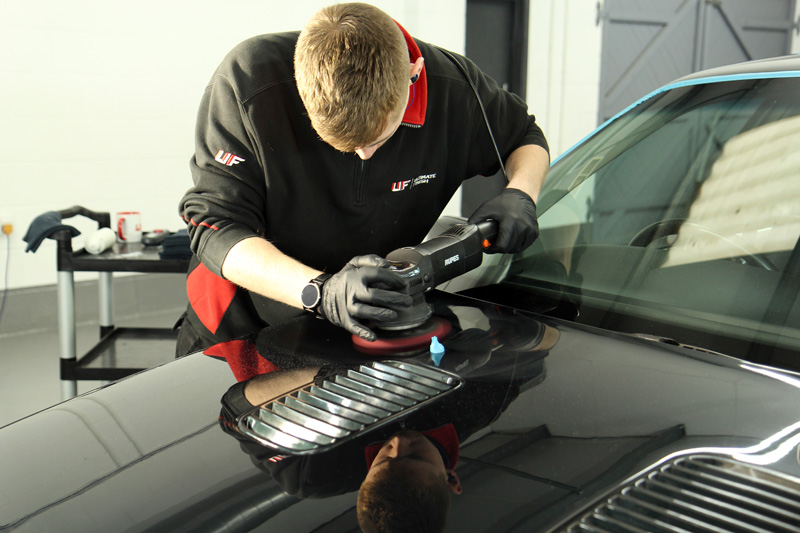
(29, 365)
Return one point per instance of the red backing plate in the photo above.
(415, 337)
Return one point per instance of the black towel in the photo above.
(176, 246)
(42, 227)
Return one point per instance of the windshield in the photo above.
(680, 219)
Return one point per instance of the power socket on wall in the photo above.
(6, 225)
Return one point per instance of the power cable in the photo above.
(5, 289)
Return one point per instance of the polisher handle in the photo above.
(488, 231)
(428, 264)
(456, 251)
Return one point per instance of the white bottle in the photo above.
(100, 241)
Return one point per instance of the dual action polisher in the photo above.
(424, 266)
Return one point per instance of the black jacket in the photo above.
(260, 169)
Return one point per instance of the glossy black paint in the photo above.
(589, 410)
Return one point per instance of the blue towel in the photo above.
(44, 226)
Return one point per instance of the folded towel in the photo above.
(44, 226)
(176, 246)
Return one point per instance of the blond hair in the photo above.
(351, 66)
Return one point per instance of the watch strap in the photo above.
(317, 282)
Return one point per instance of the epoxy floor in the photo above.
(29, 365)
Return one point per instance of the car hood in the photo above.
(552, 417)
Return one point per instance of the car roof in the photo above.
(782, 66)
(757, 66)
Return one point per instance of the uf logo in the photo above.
(400, 185)
(227, 158)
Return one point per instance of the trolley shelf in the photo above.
(120, 351)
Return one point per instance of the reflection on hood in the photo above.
(494, 356)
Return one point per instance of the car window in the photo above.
(681, 219)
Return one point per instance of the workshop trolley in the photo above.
(121, 351)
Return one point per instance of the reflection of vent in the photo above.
(733, 213)
(321, 415)
(587, 170)
(700, 494)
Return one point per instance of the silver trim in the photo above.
(699, 493)
(319, 416)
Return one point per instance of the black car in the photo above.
(634, 370)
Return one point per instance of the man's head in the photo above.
(407, 487)
(352, 70)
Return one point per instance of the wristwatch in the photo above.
(311, 296)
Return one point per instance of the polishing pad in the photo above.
(394, 342)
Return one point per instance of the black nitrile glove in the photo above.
(351, 295)
(515, 211)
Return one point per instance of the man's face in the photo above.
(367, 151)
(414, 452)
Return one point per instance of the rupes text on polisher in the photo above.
(451, 260)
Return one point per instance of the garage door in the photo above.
(647, 44)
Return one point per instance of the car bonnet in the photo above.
(569, 414)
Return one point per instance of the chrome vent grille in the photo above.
(319, 416)
(700, 493)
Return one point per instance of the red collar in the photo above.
(445, 435)
(418, 93)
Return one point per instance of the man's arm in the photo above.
(258, 266)
(527, 168)
(266, 387)
(348, 297)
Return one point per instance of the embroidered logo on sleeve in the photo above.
(398, 186)
(227, 158)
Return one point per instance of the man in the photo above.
(319, 153)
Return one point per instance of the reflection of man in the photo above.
(422, 460)
(405, 471)
(409, 482)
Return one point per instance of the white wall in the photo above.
(795, 36)
(98, 99)
(564, 69)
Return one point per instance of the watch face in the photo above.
(310, 295)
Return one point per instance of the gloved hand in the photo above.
(515, 211)
(362, 291)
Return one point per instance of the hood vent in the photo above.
(700, 493)
(324, 414)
